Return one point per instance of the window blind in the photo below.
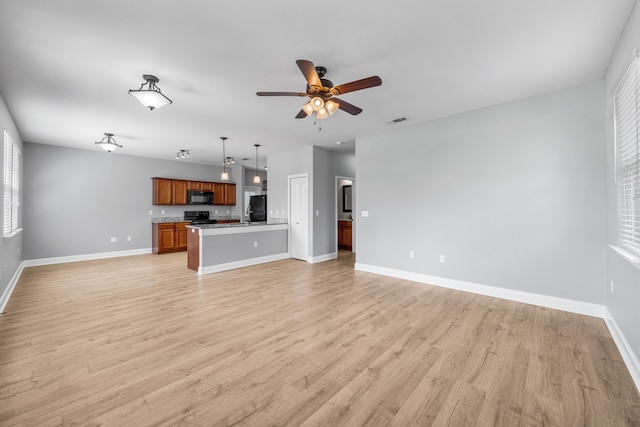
(11, 184)
(627, 140)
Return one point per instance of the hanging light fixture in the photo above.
(225, 175)
(182, 154)
(257, 179)
(107, 143)
(150, 97)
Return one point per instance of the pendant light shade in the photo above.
(225, 175)
(331, 107)
(257, 179)
(151, 96)
(107, 143)
(317, 103)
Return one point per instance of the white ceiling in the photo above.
(66, 66)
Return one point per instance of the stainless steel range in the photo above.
(198, 217)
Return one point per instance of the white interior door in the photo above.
(299, 217)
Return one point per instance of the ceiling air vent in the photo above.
(398, 120)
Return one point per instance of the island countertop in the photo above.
(238, 227)
(218, 247)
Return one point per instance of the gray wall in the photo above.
(11, 253)
(512, 195)
(623, 303)
(282, 165)
(76, 200)
(327, 165)
(323, 166)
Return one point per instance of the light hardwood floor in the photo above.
(143, 341)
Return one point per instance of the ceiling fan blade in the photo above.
(345, 106)
(309, 71)
(281, 94)
(356, 85)
(301, 115)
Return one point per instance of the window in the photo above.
(11, 185)
(627, 139)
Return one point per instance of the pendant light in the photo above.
(110, 144)
(150, 97)
(225, 175)
(257, 179)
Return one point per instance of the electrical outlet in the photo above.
(442, 259)
(162, 212)
(150, 212)
(128, 238)
(114, 239)
(255, 244)
(611, 284)
(317, 213)
(411, 254)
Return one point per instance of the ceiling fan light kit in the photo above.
(107, 143)
(322, 92)
(151, 96)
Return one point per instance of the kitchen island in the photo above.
(219, 247)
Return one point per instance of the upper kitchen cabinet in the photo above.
(169, 191)
(224, 194)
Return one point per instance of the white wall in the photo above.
(623, 303)
(512, 195)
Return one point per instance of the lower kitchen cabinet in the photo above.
(345, 235)
(169, 237)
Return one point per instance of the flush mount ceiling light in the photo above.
(183, 154)
(225, 175)
(107, 143)
(257, 179)
(151, 96)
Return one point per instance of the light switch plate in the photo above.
(364, 214)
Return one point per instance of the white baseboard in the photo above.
(4, 299)
(86, 257)
(628, 355)
(323, 258)
(579, 307)
(243, 263)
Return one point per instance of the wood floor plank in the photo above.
(142, 340)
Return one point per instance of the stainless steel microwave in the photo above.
(197, 197)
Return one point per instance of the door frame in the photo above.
(309, 210)
(353, 211)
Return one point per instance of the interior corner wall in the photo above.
(327, 164)
(76, 200)
(512, 195)
(622, 303)
(11, 253)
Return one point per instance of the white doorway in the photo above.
(299, 216)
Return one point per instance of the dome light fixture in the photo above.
(151, 96)
(107, 143)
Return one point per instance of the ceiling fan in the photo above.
(323, 93)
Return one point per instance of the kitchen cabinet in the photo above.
(168, 191)
(224, 194)
(169, 237)
(345, 235)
